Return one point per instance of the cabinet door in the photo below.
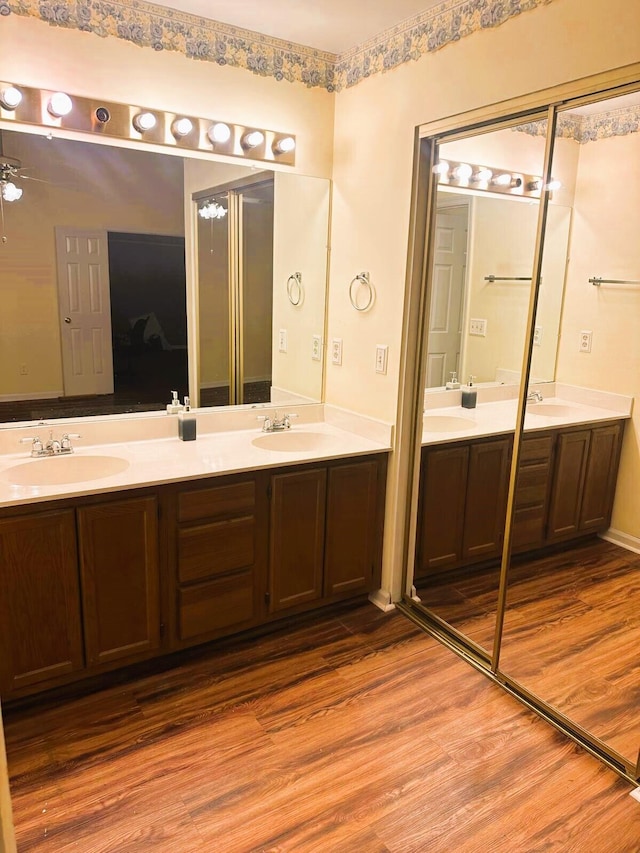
(486, 502)
(441, 513)
(600, 477)
(120, 579)
(572, 450)
(297, 537)
(40, 627)
(351, 529)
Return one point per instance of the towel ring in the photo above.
(294, 286)
(361, 280)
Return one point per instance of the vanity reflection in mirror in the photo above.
(566, 636)
(133, 211)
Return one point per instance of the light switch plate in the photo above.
(478, 327)
(382, 352)
(336, 351)
(282, 340)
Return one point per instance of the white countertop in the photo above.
(166, 460)
(453, 423)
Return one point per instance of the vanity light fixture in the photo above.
(284, 145)
(10, 192)
(10, 97)
(212, 210)
(144, 121)
(252, 139)
(181, 127)
(60, 104)
(219, 133)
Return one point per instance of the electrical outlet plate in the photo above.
(336, 351)
(478, 327)
(316, 348)
(282, 340)
(586, 336)
(382, 351)
(537, 336)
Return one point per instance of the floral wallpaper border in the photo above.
(590, 128)
(161, 28)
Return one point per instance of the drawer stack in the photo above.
(532, 492)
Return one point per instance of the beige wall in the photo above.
(77, 186)
(605, 243)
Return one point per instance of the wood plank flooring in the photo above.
(353, 732)
(570, 635)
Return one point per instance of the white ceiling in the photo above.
(331, 25)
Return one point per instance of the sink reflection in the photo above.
(447, 423)
(57, 470)
(294, 441)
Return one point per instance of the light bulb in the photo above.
(10, 192)
(553, 185)
(441, 168)
(483, 175)
(144, 121)
(219, 132)
(253, 138)
(60, 105)
(534, 185)
(284, 145)
(182, 127)
(462, 172)
(10, 97)
(503, 180)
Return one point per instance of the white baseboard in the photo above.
(624, 540)
(382, 600)
(31, 395)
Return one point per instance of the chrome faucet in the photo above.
(53, 446)
(534, 396)
(276, 423)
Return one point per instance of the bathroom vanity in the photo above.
(565, 487)
(96, 581)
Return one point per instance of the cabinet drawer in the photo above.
(528, 526)
(216, 548)
(532, 484)
(210, 607)
(218, 501)
(536, 449)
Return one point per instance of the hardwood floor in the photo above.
(570, 633)
(353, 732)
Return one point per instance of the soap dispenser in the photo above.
(186, 422)
(174, 406)
(469, 395)
(452, 384)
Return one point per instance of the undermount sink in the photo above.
(58, 470)
(294, 441)
(446, 423)
(551, 410)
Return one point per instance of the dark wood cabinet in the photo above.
(601, 475)
(462, 504)
(533, 491)
(120, 579)
(326, 532)
(220, 542)
(40, 626)
(297, 537)
(572, 449)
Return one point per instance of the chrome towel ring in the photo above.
(294, 288)
(362, 280)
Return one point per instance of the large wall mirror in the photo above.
(546, 295)
(105, 250)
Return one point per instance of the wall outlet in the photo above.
(282, 340)
(585, 340)
(316, 348)
(382, 351)
(24, 370)
(537, 336)
(336, 351)
(478, 327)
